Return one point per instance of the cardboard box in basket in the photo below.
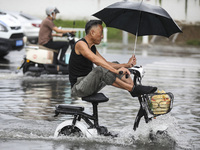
(160, 103)
(39, 55)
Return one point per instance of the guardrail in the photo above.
(80, 33)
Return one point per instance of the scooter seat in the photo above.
(96, 98)
(34, 46)
(67, 107)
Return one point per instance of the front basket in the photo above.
(159, 103)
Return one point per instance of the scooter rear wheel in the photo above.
(70, 131)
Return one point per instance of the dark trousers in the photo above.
(60, 46)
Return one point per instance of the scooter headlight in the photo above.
(3, 28)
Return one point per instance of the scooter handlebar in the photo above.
(121, 72)
(136, 70)
(68, 34)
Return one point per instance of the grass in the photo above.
(70, 23)
(114, 35)
(193, 42)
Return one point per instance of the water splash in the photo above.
(162, 132)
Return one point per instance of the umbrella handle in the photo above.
(137, 28)
(135, 42)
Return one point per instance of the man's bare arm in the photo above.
(131, 62)
(59, 32)
(82, 48)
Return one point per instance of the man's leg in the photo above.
(99, 77)
(124, 84)
(61, 46)
(93, 82)
(135, 91)
(63, 51)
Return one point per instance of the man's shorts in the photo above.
(98, 78)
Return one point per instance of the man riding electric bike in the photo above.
(46, 35)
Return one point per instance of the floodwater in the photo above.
(27, 106)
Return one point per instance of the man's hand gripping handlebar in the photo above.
(124, 71)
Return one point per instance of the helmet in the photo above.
(50, 10)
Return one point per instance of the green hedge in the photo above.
(194, 42)
(114, 35)
(70, 23)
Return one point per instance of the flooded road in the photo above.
(27, 107)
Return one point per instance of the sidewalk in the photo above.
(158, 49)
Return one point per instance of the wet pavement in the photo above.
(27, 105)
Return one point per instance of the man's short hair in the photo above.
(90, 24)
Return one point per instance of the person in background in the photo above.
(87, 80)
(46, 35)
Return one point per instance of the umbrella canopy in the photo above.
(138, 18)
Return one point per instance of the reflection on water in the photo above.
(33, 98)
(4, 63)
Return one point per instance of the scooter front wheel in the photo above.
(29, 69)
(32, 74)
(26, 67)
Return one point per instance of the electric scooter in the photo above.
(83, 124)
(40, 60)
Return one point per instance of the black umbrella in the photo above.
(138, 18)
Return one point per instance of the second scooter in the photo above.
(40, 60)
